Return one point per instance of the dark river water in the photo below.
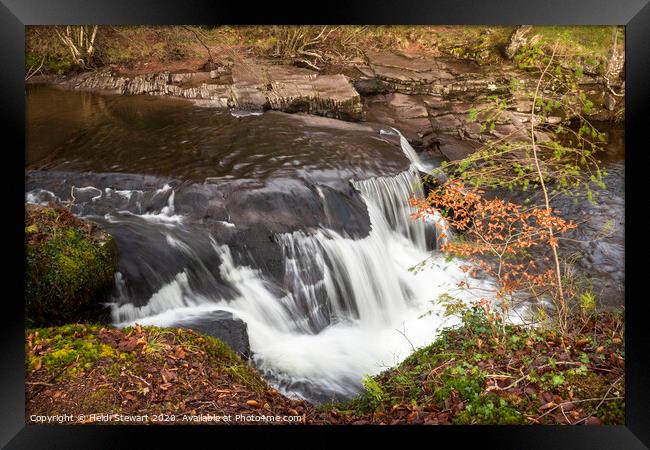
(297, 225)
(82, 131)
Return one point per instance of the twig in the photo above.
(546, 200)
(139, 378)
(436, 369)
(31, 72)
(403, 333)
(497, 388)
(198, 38)
(40, 383)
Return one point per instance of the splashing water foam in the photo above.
(351, 308)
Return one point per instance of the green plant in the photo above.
(587, 302)
(374, 393)
(491, 410)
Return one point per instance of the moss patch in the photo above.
(69, 263)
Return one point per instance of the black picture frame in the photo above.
(634, 14)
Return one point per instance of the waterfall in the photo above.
(416, 161)
(347, 307)
(390, 195)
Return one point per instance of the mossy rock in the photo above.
(70, 264)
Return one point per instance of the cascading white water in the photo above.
(351, 308)
(390, 195)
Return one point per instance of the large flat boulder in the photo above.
(222, 325)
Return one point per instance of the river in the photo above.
(297, 225)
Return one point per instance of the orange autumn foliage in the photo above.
(499, 237)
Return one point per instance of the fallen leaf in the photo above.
(547, 406)
(128, 345)
(568, 406)
(168, 375)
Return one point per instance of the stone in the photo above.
(610, 101)
(407, 113)
(252, 86)
(327, 95)
(518, 38)
(454, 148)
(190, 77)
(249, 97)
(222, 325)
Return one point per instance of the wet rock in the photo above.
(222, 325)
(290, 205)
(455, 148)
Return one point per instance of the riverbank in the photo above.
(493, 374)
(99, 374)
(473, 374)
(424, 81)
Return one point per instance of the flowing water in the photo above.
(299, 226)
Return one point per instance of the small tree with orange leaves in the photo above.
(501, 239)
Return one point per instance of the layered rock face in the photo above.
(251, 86)
(427, 98)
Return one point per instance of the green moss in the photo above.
(72, 348)
(67, 267)
(612, 412)
(101, 399)
(466, 381)
(489, 410)
(73, 351)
